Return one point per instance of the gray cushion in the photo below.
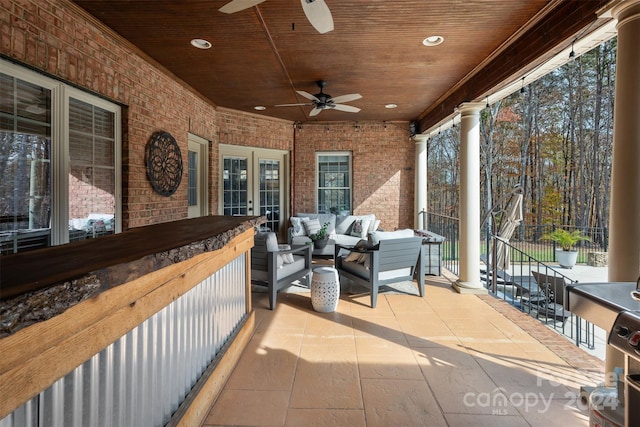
(376, 236)
(343, 223)
(346, 240)
(300, 240)
(286, 270)
(361, 270)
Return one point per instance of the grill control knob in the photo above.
(634, 339)
(622, 331)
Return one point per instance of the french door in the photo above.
(254, 183)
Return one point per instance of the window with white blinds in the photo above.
(60, 162)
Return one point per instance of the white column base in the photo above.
(469, 288)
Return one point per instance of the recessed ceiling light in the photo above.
(259, 107)
(391, 106)
(433, 41)
(201, 43)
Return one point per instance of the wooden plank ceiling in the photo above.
(261, 55)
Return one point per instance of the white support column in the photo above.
(624, 213)
(421, 181)
(469, 262)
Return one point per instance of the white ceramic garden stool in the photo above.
(325, 289)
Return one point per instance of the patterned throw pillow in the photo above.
(298, 228)
(360, 228)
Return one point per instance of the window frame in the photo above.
(349, 156)
(60, 160)
(200, 146)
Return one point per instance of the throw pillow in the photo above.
(360, 228)
(271, 242)
(362, 245)
(312, 226)
(287, 258)
(364, 259)
(279, 261)
(343, 223)
(353, 257)
(298, 228)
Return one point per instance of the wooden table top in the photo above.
(28, 271)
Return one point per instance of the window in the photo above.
(59, 154)
(198, 189)
(334, 182)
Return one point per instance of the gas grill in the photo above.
(625, 336)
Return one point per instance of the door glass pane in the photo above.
(92, 193)
(234, 176)
(25, 146)
(193, 178)
(270, 193)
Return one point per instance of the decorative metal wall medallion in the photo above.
(164, 163)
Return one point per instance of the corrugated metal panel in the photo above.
(141, 379)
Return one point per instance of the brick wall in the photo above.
(62, 40)
(383, 168)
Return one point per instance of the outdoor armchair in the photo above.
(277, 266)
(390, 261)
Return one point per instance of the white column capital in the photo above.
(420, 138)
(625, 10)
(470, 108)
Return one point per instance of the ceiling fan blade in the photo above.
(307, 95)
(318, 14)
(291, 105)
(315, 111)
(346, 98)
(347, 108)
(238, 5)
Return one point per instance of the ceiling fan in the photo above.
(317, 12)
(322, 101)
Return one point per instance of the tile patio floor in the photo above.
(442, 360)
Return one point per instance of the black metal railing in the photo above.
(528, 239)
(528, 283)
(537, 289)
(448, 227)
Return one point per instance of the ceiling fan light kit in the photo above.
(316, 11)
(321, 101)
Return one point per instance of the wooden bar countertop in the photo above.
(79, 270)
